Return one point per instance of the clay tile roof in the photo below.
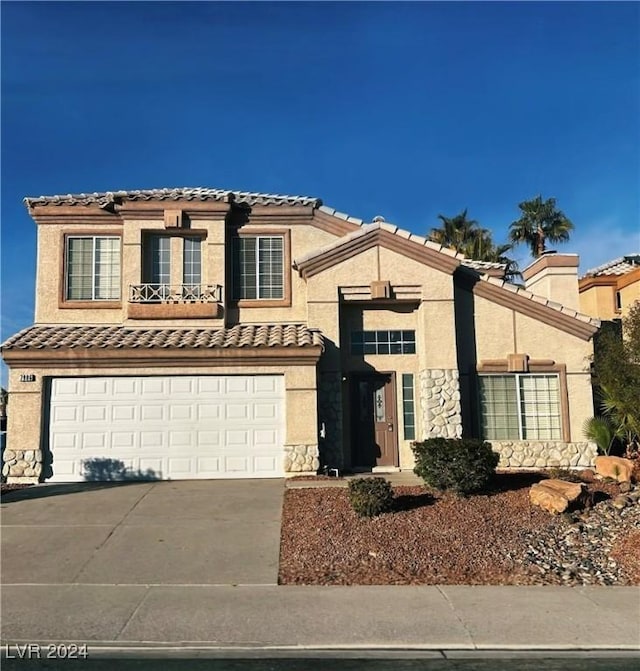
(520, 291)
(104, 199)
(620, 266)
(119, 337)
(391, 228)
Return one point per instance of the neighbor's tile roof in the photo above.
(620, 266)
(119, 337)
(184, 193)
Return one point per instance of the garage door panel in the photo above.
(167, 427)
(63, 414)
(92, 441)
(266, 411)
(96, 386)
(64, 441)
(209, 439)
(181, 413)
(208, 464)
(71, 387)
(94, 413)
(209, 411)
(237, 386)
(151, 386)
(125, 386)
(121, 440)
(152, 439)
(123, 413)
(234, 411)
(263, 464)
(152, 413)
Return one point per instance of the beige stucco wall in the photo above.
(557, 284)
(501, 331)
(599, 301)
(628, 296)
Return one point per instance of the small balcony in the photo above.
(181, 301)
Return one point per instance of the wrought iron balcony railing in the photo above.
(180, 293)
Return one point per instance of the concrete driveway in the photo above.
(223, 532)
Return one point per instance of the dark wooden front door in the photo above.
(374, 437)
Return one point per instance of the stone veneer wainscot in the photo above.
(544, 453)
(301, 459)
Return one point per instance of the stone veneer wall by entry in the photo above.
(440, 403)
(543, 454)
(23, 466)
(301, 459)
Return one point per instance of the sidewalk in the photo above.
(232, 618)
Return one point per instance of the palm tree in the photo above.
(456, 232)
(469, 238)
(540, 221)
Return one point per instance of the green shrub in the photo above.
(462, 466)
(370, 496)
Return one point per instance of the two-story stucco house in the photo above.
(202, 333)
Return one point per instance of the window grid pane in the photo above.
(192, 263)
(540, 408)
(499, 407)
(270, 267)
(159, 264)
(383, 342)
(408, 407)
(93, 268)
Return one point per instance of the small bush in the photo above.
(370, 496)
(462, 466)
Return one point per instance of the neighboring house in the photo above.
(608, 291)
(201, 333)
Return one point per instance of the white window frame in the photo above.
(93, 239)
(519, 404)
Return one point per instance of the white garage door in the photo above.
(177, 427)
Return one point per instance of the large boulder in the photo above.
(555, 496)
(616, 468)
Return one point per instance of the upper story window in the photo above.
(520, 407)
(383, 342)
(258, 267)
(92, 268)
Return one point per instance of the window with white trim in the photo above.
(520, 407)
(92, 269)
(258, 267)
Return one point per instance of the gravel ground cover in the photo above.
(433, 538)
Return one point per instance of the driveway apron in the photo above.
(198, 532)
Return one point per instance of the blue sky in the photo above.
(403, 110)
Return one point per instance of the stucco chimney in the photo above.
(554, 276)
